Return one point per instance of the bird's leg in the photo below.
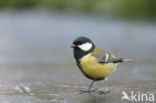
(106, 90)
(105, 84)
(88, 90)
(91, 85)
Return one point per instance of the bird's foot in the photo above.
(102, 92)
(88, 92)
(94, 91)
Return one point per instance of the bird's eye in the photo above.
(78, 43)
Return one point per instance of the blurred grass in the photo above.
(145, 9)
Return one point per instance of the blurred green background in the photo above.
(142, 9)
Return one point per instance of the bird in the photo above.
(95, 63)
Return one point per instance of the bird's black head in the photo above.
(82, 46)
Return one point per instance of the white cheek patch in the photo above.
(86, 46)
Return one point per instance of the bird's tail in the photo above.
(128, 60)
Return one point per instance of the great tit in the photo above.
(95, 63)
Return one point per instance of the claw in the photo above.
(102, 92)
(95, 91)
(88, 92)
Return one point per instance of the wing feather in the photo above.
(105, 57)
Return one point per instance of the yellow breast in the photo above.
(94, 69)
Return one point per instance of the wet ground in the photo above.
(36, 62)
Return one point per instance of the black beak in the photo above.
(73, 46)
